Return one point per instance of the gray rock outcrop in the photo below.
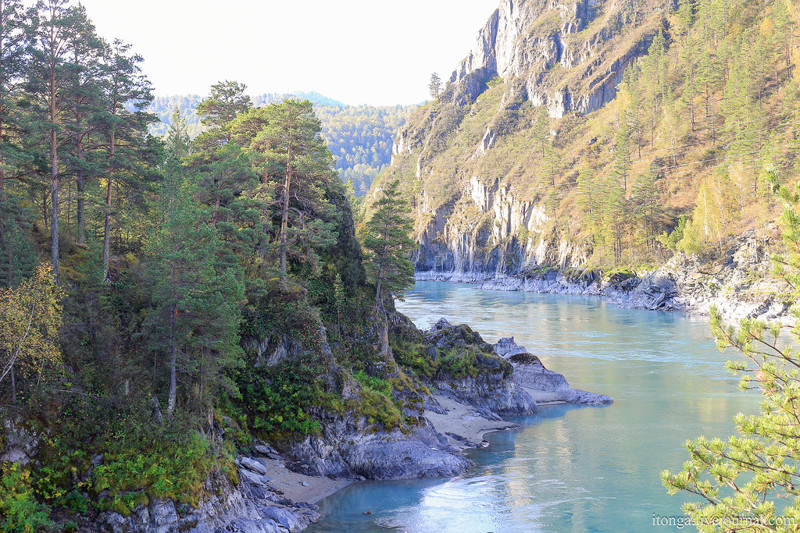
(530, 373)
(346, 448)
(739, 283)
(477, 375)
(527, 40)
(252, 506)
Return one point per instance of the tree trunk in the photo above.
(217, 202)
(107, 234)
(173, 385)
(107, 221)
(53, 176)
(378, 299)
(81, 210)
(285, 217)
(54, 203)
(385, 336)
(13, 387)
(2, 159)
(381, 312)
(80, 214)
(638, 141)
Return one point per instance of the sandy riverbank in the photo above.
(463, 426)
(299, 487)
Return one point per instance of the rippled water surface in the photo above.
(566, 468)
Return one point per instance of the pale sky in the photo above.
(356, 51)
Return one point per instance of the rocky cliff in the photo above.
(477, 203)
(571, 137)
(534, 45)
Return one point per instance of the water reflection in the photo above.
(566, 468)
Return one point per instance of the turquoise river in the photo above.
(566, 468)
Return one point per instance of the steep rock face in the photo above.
(478, 236)
(252, 506)
(475, 219)
(472, 373)
(530, 373)
(526, 40)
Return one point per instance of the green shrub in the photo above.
(459, 363)
(379, 409)
(19, 509)
(278, 400)
(412, 356)
(174, 466)
(377, 384)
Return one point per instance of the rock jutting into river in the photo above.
(593, 469)
(475, 384)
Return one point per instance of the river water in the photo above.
(566, 468)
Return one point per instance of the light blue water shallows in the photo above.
(566, 468)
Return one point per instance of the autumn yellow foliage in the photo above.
(30, 317)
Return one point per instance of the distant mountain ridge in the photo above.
(360, 137)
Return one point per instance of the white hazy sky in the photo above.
(357, 51)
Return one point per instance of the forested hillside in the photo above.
(360, 137)
(167, 304)
(605, 135)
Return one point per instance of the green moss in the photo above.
(616, 275)
(379, 409)
(376, 384)
(411, 355)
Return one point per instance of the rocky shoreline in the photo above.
(738, 283)
(277, 491)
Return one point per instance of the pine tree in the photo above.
(226, 101)
(49, 74)
(82, 105)
(195, 317)
(218, 163)
(635, 112)
(541, 131)
(127, 94)
(435, 86)
(751, 478)
(288, 152)
(686, 15)
(646, 209)
(356, 203)
(16, 251)
(13, 43)
(709, 77)
(783, 31)
(17, 257)
(614, 216)
(622, 156)
(388, 248)
(589, 200)
(177, 138)
(689, 65)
